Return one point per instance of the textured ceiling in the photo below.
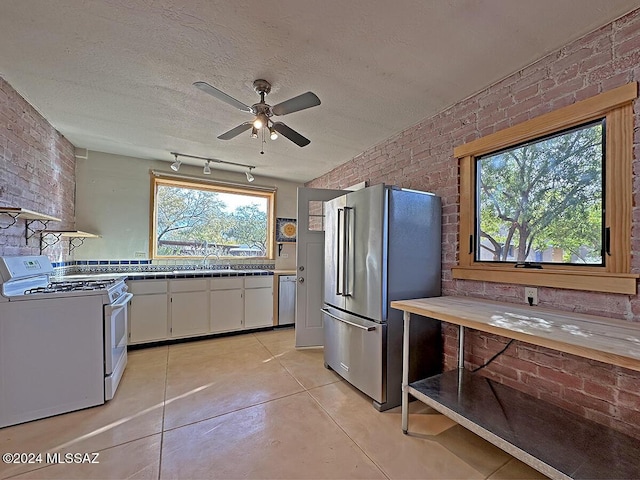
(116, 75)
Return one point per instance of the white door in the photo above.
(310, 264)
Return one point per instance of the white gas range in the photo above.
(63, 344)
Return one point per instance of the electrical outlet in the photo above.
(140, 255)
(285, 255)
(531, 295)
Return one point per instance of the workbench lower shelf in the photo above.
(550, 439)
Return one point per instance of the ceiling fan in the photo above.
(263, 112)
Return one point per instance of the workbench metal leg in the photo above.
(405, 373)
(460, 346)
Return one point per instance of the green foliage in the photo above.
(190, 221)
(544, 194)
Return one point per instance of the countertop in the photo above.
(168, 275)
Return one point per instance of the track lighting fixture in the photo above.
(175, 166)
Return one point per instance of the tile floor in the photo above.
(250, 406)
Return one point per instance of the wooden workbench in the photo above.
(552, 440)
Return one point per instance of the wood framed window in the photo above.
(500, 243)
(193, 218)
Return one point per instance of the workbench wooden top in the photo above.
(612, 341)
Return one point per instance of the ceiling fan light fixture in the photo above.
(206, 170)
(273, 134)
(260, 121)
(250, 178)
(254, 132)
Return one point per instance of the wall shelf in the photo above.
(29, 216)
(76, 238)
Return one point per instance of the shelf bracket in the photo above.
(44, 244)
(30, 232)
(73, 246)
(13, 217)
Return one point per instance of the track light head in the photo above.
(206, 170)
(250, 177)
(175, 166)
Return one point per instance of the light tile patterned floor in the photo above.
(250, 406)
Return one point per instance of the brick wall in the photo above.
(421, 157)
(37, 172)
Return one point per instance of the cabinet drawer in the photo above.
(258, 282)
(144, 287)
(229, 283)
(188, 285)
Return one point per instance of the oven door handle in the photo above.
(121, 303)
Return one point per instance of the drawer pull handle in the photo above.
(362, 327)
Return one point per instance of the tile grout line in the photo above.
(308, 392)
(232, 411)
(347, 435)
(164, 406)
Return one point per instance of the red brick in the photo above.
(602, 392)
(629, 382)
(580, 398)
(629, 399)
(31, 145)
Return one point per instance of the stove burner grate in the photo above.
(72, 286)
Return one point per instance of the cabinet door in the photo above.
(258, 307)
(227, 310)
(148, 320)
(189, 313)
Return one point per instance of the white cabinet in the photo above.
(148, 312)
(189, 307)
(227, 304)
(258, 302)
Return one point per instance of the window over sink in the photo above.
(192, 219)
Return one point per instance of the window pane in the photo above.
(316, 217)
(543, 201)
(197, 222)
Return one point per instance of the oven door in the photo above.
(115, 343)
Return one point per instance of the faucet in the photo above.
(204, 259)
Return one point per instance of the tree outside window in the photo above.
(194, 220)
(543, 201)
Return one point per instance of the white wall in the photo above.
(113, 195)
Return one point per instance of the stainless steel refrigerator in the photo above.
(382, 243)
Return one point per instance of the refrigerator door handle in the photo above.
(339, 254)
(362, 327)
(348, 242)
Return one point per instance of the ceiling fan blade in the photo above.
(234, 132)
(220, 95)
(291, 134)
(295, 104)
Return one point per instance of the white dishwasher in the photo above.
(287, 300)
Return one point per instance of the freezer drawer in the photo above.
(355, 349)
